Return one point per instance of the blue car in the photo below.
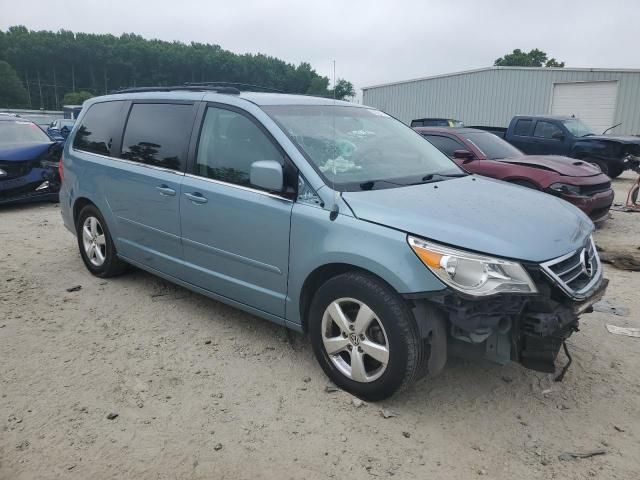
(332, 219)
(59, 129)
(29, 161)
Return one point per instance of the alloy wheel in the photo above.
(355, 340)
(93, 241)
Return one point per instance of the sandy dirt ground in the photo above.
(204, 391)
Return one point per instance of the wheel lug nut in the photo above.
(360, 349)
(350, 347)
(351, 327)
(344, 334)
(362, 336)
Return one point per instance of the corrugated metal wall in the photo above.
(492, 96)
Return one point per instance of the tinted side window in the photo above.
(99, 126)
(157, 134)
(523, 128)
(446, 145)
(546, 130)
(229, 143)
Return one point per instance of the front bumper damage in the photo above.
(29, 181)
(527, 329)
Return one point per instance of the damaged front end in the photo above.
(528, 329)
(36, 179)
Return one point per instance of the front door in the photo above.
(235, 236)
(549, 139)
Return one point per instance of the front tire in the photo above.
(96, 245)
(364, 336)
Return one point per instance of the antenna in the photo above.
(334, 208)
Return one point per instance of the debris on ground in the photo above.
(218, 447)
(331, 388)
(112, 416)
(623, 261)
(619, 429)
(566, 456)
(357, 402)
(387, 413)
(306, 379)
(406, 434)
(75, 288)
(629, 332)
(547, 392)
(207, 342)
(606, 307)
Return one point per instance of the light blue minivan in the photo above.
(329, 218)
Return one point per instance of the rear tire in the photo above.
(365, 336)
(96, 245)
(615, 171)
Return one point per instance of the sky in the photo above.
(372, 42)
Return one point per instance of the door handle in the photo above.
(196, 197)
(166, 190)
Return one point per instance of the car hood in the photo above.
(23, 151)
(615, 138)
(480, 214)
(562, 165)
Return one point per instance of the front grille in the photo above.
(15, 169)
(576, 273)
(588, 190)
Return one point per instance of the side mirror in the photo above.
(267, 174)
(463, 155)
(557, 136)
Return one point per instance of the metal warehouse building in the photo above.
(491, 96)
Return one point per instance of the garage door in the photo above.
(593, 102)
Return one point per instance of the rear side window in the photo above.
(157, 134)
(229, 143)
(446, 145)
(523, 128)
(98, 128)
(546, 130)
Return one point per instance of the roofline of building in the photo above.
(485, 69)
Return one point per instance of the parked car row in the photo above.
(334, 219)
(568, 136)
(483, 153)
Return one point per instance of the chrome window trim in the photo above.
(583, 292)
(240, 187)
(130, 162)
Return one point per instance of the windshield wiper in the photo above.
(438, 177)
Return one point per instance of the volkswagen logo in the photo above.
(355, 339)
(585, 263)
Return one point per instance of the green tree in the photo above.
(12, 92)
(344, 89)
(52, 64)
(76, 98)
(534, 58)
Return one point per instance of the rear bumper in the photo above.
(595, 206)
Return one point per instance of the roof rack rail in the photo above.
(188, 87)
(236, 85)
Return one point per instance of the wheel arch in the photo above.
(78, 205)
(321, 275)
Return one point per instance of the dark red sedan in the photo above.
(477, 151)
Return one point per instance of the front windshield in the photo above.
(360, 149)
(21, 132)
(577, 128)
(494, 148)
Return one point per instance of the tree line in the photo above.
(41, 67)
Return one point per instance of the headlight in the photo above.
(472, 273)
(565, 188)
